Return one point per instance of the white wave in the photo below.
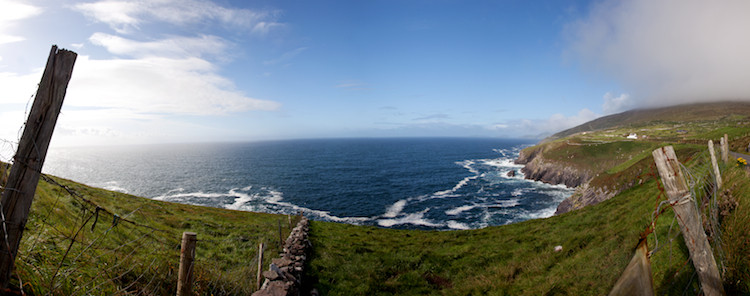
(272, 197)
(501, 163)
(248, 188)
(240, 200)
(395, 209)
(507, 203)
(459, 210)
(275, 198)
(114, 186)
(413, 218)
(457, 225)
(543, 213)
(467, 164)
(178, 196)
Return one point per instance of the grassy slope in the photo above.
(598, 242)
(736, 233)
(137, 257)
(351, 260)
(669, 115)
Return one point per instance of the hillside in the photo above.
(699, 112)
(87, 241)
(594, 155)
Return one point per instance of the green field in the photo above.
(87, 241)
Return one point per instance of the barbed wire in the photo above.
(703, 195)
(73, 245)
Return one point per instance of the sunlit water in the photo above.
(399, 183)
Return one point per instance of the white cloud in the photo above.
(613, 104)
(11, 123)
(177, 47)
(265, 27)
(158, 85)
(18, 89)
(544, 127)
(667, 52)
(123, 127)
(10, 14)
(126, 16)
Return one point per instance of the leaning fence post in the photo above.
(714, 164)
(187, 255)
(725, 149)
(32, 150)
(689, 220)
(281, 239)
(260, 266)
(636, 279)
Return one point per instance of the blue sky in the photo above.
(198, 70)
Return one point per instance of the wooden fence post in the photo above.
(32, 150)
(636, 279)
(281, 239)
(714, 164)
(689, 220)
(725, 149)
(187, 255)
(260, 266)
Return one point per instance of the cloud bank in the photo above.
(11, 13)
(127, 16)
(666, 52)
(188, 86)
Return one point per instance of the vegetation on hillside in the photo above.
(87, 241)
(81, 240)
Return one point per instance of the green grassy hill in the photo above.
(673, 116)
(87, 241)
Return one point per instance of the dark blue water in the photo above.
(402, 183)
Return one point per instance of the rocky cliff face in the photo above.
(538, 169)
(583, 196)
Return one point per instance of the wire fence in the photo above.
(84, 241)
(663, 233)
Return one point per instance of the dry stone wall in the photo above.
(284, 275)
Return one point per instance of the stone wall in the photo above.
(284, 275)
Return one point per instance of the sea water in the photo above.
(414, 183)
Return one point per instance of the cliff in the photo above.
(584, 195)
(540, 169)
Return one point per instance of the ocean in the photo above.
(406, 183)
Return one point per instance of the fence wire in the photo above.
(666, 235)
(75, 244)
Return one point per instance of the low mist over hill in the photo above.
(688, 112)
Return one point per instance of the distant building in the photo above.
(633, 136)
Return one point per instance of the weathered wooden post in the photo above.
(714, 164)
(187, 255)
(689, 220)
(281, 239)
(636, 279)
(260, 266)
(725, 149)
(32, 150)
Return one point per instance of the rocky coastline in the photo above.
(537, 168)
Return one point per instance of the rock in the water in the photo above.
(512, 173)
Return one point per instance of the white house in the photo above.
(633, 136)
